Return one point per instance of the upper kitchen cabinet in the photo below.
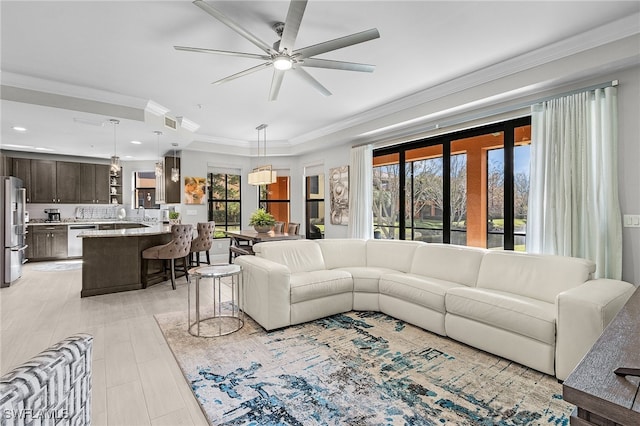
(43, 181)
(54, 181)
(94, 183)
(21, 168)
(172, 190)
(67, 182)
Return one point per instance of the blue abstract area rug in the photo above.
(360, 368)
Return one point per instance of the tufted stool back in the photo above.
(204, 240)
(180, 245)
(177, 248)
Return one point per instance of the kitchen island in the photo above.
(112, 258)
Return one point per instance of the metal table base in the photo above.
(219, 318)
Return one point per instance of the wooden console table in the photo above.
(602, 397)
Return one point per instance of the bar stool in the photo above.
(177, 248)
(202, 242)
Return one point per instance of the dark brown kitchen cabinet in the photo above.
(54, 181)
(94, 183)
(43, 181)
(172, 190)
(21, 168)
(67, 182)
(47, 242)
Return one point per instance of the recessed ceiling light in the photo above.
(136, 142)
(19, 128)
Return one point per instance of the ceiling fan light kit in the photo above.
(282, 55)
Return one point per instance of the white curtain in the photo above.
(361, 192)
(573, 199)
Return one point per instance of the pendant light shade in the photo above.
(175, 171)
(160, 187)
(159, 166)
(262, 175)
(115, 160)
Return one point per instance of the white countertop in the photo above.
(156, 229)
(90, 222)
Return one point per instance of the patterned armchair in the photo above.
(54, 387)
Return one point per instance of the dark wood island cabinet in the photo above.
(112, 258)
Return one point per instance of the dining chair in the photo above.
(278, 227)
(293, 228)
(177, 248)
(202, 243)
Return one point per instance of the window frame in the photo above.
(226, 201)
(445, 140)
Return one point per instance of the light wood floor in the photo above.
(136, 380)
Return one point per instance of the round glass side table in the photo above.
(219, 318)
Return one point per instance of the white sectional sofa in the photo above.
(542, 311)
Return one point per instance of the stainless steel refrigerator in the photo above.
(12, 216)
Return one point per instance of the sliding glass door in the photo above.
(467, 188)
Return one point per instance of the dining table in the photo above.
(243, 240)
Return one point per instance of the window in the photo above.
(145, 190)
(314, 206)
(224, 202)
(467, 188)
(274, 198)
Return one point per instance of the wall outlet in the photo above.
(631, 221)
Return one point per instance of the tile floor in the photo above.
(136, 380)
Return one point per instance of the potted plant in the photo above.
(262, 221)
(174, 218)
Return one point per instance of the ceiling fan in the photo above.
(282, 55)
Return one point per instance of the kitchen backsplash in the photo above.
(70, 212)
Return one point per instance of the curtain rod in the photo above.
(502, 110)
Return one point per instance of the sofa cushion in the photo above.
(392, 254)
(423, 291)
(317, 284)
(343, 252)
(448, 262)
(538, 276)
(367, 278)
(519, 314)
(298, 255)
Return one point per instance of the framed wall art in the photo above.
(195, 190)
(339, 195)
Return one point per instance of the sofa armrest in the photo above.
(582, 314)
(267, 291)
(54, 387)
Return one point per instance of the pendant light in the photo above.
(175, 171)
(262, 175)
(159, 165)
(115, 160)
(160, 185)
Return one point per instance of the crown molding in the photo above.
(591, 39)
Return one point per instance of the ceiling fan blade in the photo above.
(312, 81)
(243, 73)
(337, 65)
(292, 24)
(232, 24)
(222, 52)
(338, 43)
(276, 82)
